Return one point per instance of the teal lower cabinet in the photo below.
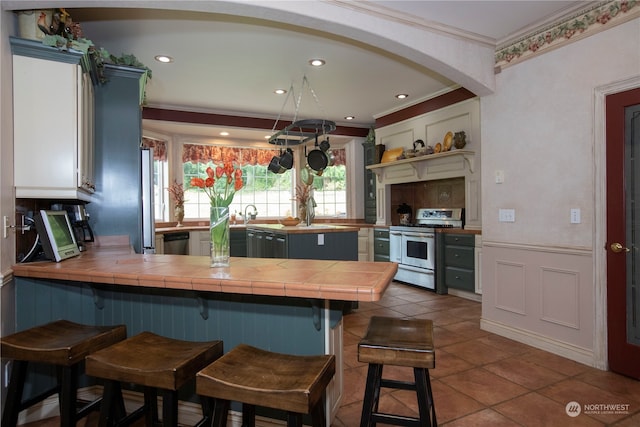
(238, 243)
(263, 243)
(381, 244)
(455, 262)
(281, 324)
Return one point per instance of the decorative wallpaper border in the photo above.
(573, 28)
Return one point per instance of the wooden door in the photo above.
(623, 231)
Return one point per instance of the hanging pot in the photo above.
(317, 159)
(274, 165)
(306, 176)
(286, 159)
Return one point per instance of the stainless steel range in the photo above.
(413, 246)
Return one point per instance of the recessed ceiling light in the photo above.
(280, 91)
(402, 96)
(223, 133)
(349, 117)
(163, 58)
(316, 62)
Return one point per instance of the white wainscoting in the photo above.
(541, 296)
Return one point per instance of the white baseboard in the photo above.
(189, 412)
(541, 342)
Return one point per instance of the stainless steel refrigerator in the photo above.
(148, 214)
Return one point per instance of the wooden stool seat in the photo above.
(154, 362)
(398, 342)
(61, 343)
(257, 377)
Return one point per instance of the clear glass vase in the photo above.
(219, 231)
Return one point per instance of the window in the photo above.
(270, 193)
(160, 177)
(330, 189)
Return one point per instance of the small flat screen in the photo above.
(56, 235)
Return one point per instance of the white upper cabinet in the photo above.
(53, 112)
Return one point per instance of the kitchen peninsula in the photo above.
(284, 305)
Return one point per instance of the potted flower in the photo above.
(220, 186)
(176, 191)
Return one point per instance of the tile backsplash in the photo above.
(443, 193)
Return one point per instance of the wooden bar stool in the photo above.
(399, 342)
(256, 377)
(156, 363)
(61, 343)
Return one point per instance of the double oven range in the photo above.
(412, 246)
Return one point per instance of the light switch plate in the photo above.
(575, 216)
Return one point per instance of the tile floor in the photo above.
(480, 379)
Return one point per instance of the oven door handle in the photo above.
(419, 235)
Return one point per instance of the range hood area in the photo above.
(456, 163)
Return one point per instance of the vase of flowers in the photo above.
(177, 194)
(220, 186)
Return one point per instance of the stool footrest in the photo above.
(38, 398)
(88, 407)
(398, 420)
(401, 385)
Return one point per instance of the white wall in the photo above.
(538, 128)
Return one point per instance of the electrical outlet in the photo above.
(320, 239)
(499, 176)
(507, 215)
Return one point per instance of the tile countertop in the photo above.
(316, 227)
(119, 264)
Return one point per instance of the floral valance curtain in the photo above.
(239, 156)
(159, 148)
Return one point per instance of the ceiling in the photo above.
(230, 64)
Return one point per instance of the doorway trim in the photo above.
(600, 359)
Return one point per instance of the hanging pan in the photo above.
(317, 159)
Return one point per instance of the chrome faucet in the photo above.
(311, 213)
(253, 215)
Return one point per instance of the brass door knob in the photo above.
(617, 248)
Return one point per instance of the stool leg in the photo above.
(426, 407)
(206, 403)
(170, 408)
(112, 407)
(151, 406)
(248, 415)
(317, 415)
(371, 394)
(14, 393)
(220, 412)
(294, 419)
(68, 395)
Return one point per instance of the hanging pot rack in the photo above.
(301, 131)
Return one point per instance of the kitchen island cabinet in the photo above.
(326, 242)
(290, 306)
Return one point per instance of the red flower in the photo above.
(223, 195)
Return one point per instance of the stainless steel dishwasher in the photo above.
(176, 243)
